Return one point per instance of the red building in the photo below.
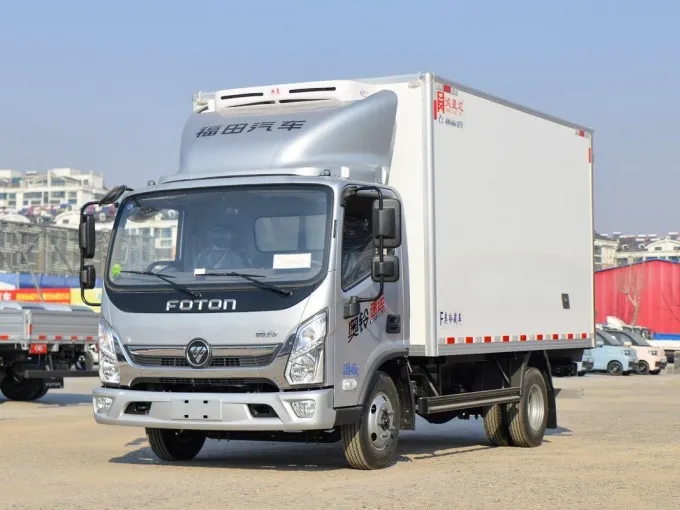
(647, 293)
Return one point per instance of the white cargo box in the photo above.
(498, 214)
(497, 201)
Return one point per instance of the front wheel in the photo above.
(372, 443)
(643, 368)
(170, 444)
(614, 368)
(528, 418)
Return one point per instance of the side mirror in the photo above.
(599, 343)
(352, 308)
(87, 236)
(385, 268)
(88, 277)
(387, 223)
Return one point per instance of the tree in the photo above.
(631, 284)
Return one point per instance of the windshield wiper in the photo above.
(253, 278)
(168, 280)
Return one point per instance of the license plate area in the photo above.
(197, 409)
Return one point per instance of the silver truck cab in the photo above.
(222, 287)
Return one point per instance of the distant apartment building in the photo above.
(45, 193)
(617, 249)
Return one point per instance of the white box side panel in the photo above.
(513, 224)
(407, 176)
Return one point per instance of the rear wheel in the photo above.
(496, 425)
(528, 418)
(22, 389)
(372, 443)
(170, 444)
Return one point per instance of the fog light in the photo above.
(102, 404)
(304, 408)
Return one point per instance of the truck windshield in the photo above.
(275, 233)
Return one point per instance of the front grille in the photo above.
(222, 356)
(217, 361)
(194, 385)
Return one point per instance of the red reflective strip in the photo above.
(522, 338)
(584, 335)
(590, 155)
(487, 339)
(570, 336)
(450, 340)
(42, 337)
(58, 337)
(4, 337)
(74, 338)
(506, 338)
(90, 338)
(469, 340)
(447, 88)
(434, 109)
(539, 337)
(581, 133)
(555, 336)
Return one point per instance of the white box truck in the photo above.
(333, 259)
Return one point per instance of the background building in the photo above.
(40, 197)
(615, 250)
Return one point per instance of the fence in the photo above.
(52, 250)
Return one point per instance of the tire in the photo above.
(22, 390)
(372, 443)
(582, 373)
(643, 368)
(496, 425)
(655, 372)
(89, 361)
(171, 444)
(43, 391)
(614, 368)
(528, 418)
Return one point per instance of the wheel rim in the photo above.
(615, 368)
(380, 421)
(643, 368)
(535, 408)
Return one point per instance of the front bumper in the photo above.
(661, 364)
(586, 365)
(214, 411)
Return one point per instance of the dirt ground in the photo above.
(618, 445)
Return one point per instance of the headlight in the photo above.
(108, 361)
(305, 363)
(626, 352)
(654, 353)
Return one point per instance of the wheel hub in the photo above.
(380, 421)
(535, 408)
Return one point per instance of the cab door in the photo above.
(362, 341)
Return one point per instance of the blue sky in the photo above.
(109, 88)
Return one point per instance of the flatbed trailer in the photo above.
(43, 343)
